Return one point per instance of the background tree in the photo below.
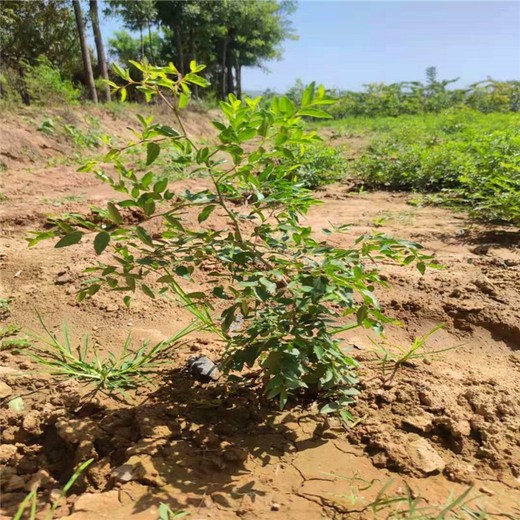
(29, 30)
(85, 53)
(138, 16)
(102, 62)
(226, 35)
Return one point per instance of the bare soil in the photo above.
(220, 451)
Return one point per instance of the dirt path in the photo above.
(442, 424)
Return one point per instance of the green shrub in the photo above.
(284, 296)
(45, 86)
(473, 159)
(320, 164)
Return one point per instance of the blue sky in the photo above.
(345, 44)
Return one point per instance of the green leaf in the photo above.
(330, 408)
(101, 242)
(205, 213)
(308, 94)
(114, 214)
(362, 314)
(184, 99)
(247, 134)
(160, 186)
(152, 152)
(314, 112)
(421, 266)
(147, 290)
(166, 131)
(118, 70)
(70, 239)
(144, 236)
(123, 94)
(147, 180)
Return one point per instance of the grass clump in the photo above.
(110, 373)
(8, 341)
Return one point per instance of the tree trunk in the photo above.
(223, 84)
(150, 45)
(87, 65)
(178, 46)
(102, 62)
(193, 56)
(238, 77)
(229, 81)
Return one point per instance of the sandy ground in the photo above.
(441, 425)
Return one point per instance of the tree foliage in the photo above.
(227, 35)
(29, 30)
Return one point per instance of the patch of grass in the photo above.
(320, 164)
(8, 341)
(9, 330)
(5, 307)
(411, 505)
(63, 200)
(402, 217)
(14, 344)
(111, 373)
(391, 359)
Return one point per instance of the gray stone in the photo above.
(424, 457)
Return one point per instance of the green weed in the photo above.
(110, 373)
(411, 505)
(9, 342)
(5, 307)
(30, 501)
(397, 356)
(166, 513)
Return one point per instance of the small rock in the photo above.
(63, 279)
(203, 369)
(422, 423)
(458, 429)
(5, 390)
(486, 491)
(41, 479)
(16, 405)
(124, 473)
(481, 249)
(32, 423)
(96, 505)
(275, 506)
(424, 457)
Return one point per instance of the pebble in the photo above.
(424, 457)
(486, 491)
(5, 390)
(63, 279)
